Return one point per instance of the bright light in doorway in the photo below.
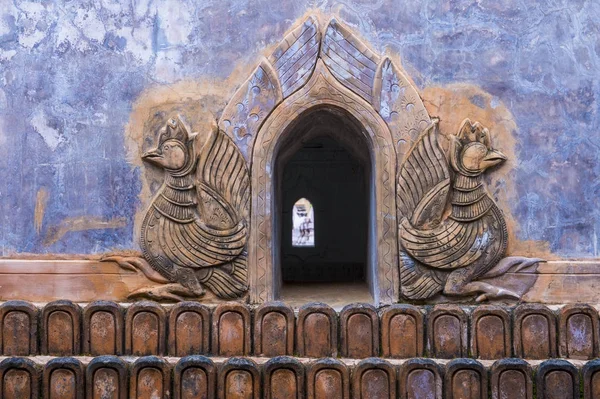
(303, 219)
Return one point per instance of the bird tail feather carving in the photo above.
(229, 281)
(417, 282)
(223, 182)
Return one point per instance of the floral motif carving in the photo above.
(349, 60)
(400, 106)
(249, 107)
(296, 56)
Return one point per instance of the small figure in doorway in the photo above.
(302, 224)
(305, 231)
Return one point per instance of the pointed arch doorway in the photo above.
(357, 128)
(322, 184)
(327, 68)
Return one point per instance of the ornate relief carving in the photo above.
(400, 106)
(288, 68)
(323, 90)
(249, 107)
(296, 56)
(194, 233)
(349, 60)
(451, 250)
(451, 233)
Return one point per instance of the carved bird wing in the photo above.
(423, 189)
(451, 245)
(195, 245)
(223, 183)
(219, 235)
(424, 181)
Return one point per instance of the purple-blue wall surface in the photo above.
(71, 71)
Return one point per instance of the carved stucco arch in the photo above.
(323, 90)
(332, 67)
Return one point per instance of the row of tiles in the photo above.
(359, 331)
(286, 377)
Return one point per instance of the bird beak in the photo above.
(152, 156)
(493, 157)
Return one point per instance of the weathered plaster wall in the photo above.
(78, 81)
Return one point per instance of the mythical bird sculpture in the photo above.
(449, 246)
(195, 231)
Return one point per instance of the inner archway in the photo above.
(323, 173)
(368, 134)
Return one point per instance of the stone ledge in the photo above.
(86, 280)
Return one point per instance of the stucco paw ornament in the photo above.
(452, 233)
(194, 233)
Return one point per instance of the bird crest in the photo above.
(474, 133)
(471, 151)
(175, 149)
(174, 130)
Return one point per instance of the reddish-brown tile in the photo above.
(534, 334)
(189, 329)
(591, 379)
(239, 378)
(420, 378)
(18, 379)
(194, 377)
(557, 379)
(578, 332)
(327, 379)
(103, 329)
(150, 378)
(490, 333)
(447, 332)
(145, 329)
(512, 379)
(231, 330)
(274, 325)
(106, 377)
(61, 333)
(402, 331)
(63, 379)
(283, 378)
(316, 331)
(465, 379)
(374, 378)
(19, 328)
(359, 325)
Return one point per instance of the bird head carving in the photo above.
(174, 151)
(471, 151)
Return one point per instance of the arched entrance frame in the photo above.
(323, 90)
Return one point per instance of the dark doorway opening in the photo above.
(323, 182)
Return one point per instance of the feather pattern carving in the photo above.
(296, 56)
(349, 60)
(195, 231)
(451, 232)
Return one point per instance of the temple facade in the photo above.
(290, 200)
